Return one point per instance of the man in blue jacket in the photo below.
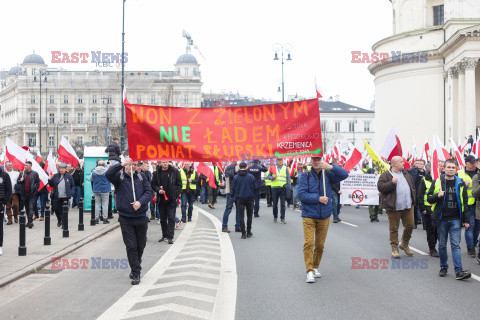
(316, 210)
(132, 211)
(63, 186)
(101, 189)
(243, 190)
(256, 170)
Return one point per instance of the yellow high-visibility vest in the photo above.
(184, 180)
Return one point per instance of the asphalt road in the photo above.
(271, 276)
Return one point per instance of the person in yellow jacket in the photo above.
(280, 177)
(426, 211)
(189, 187)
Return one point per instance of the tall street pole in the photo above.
(122, 124)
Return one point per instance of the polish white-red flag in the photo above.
(66, 153)
(406, 164)
(220, 166)
(39, 157)
(208, 172)
(336, 150)
(476, 148)
(36, 167)
(427, 149)
(392, 146)
(458, 154)
(317, 89)
(463, 145)
(125, 100)
(435, 164)
(353, 160)
(16, 154)
(293, 166)
(443, 153)
(50, 165)
(414, 151)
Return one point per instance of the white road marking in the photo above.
(419, 251)
(350, 224)
(475, 277)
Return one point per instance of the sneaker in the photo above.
(310, 277)
(244, 236)
(177, 224)
(283, 221)
(405, 248)
(106, 221)
(136, 279)
(471, 252)
(161, 239)
(434, 253)
(335, 220)
(30, 225)
(462, 275)
(183, 220)
(316, 273)
(443, 272)
(478, 258)
(97, 221)
(225, 230)
(274, 220)
(170, 241)
(249, 234)
(59, 224)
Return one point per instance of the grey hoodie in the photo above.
(98, 170)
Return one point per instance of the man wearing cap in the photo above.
(189, 187)
(63, 188)
(132, 211)
(471, 234)
(256, 170)
(243, 191)
(30, 182)
(315, 196)
(230, 171)
(280, 177)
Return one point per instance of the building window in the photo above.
(80, 99)
(351, 126)
(51, 141)
(366, 126)
(139, 98)
(52, 98)
(94, 140)
(186, 72)
(167, 99)
(80, 117)
(185, 98)
(152, 99)
(109, 98)
(32, 98)
(195, 72)
(51, 118)
(109, 118)
(94, 98)
(337, 126)
(65, 98)
(80, 140)
(94, 118)
(32, 139)
(323, 125)
(438, 15)
(65, 118)
(32, 117)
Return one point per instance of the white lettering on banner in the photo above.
(359, 189)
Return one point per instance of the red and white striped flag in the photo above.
(458, 154)
(353, 160)
(463, 145)
(36, 167)
(207, 171)
(443, 153)
(67, 154)
(293, 166)
(39, 157)
(435, 164)
(50, 165)
(392, 146)
(427, 149)
(317, 89)
(16, 154)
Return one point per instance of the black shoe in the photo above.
(338, 219)
(434, 253)
(415, 226)
(170, 241)
(59, 224)
(443, 272)
(478, 258)
(189, 219)
(161, 239)
(269, 205)
(462, 275)
(148, 220)
(183, 220)
(256, 216)
(335, 221)
(238, 230)
(249, 234)
(471, 252)
(29, 225)
(372, 219)
(244, 236)
(131, 275)
(97, 221)
(106, 221)
(101, 218)
(376, 220)
(136, 279)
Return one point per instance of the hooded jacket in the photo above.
(100, 183)
(243, 186)
(5, 187)
(174, 187)
(113, 151)
(34, 182)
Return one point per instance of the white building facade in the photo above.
(85, 106)
(434, 87)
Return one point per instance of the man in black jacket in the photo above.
(148, 174)
(132, 209)
(113, 151)
(30, 182)
(243, 191)
(167, 183)
(77, 175)
(256, 170)
(5, 194)
(63, 188)
(426, 211)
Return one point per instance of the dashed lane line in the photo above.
(350, 224)
(418, 251)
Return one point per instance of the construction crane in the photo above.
(186, 35)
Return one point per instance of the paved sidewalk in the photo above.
(13, 266)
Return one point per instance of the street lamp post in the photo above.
(122, 138)
(282, 48)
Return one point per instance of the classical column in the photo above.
(469, 64)
(461, 101)
(447, 77)
(454, 98)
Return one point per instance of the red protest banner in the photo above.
(224, 134)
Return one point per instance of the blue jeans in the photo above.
(41, 202)
(335, 200)
(295, 196)
(452, 228)
(77, 194)
(228, 210)
(256, 207)
(278, 193)
(471, 234)
(187, 199)
(204, 193)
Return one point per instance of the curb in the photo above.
(63, 252)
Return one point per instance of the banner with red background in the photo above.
(224, 134)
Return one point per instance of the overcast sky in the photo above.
(236, 39)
